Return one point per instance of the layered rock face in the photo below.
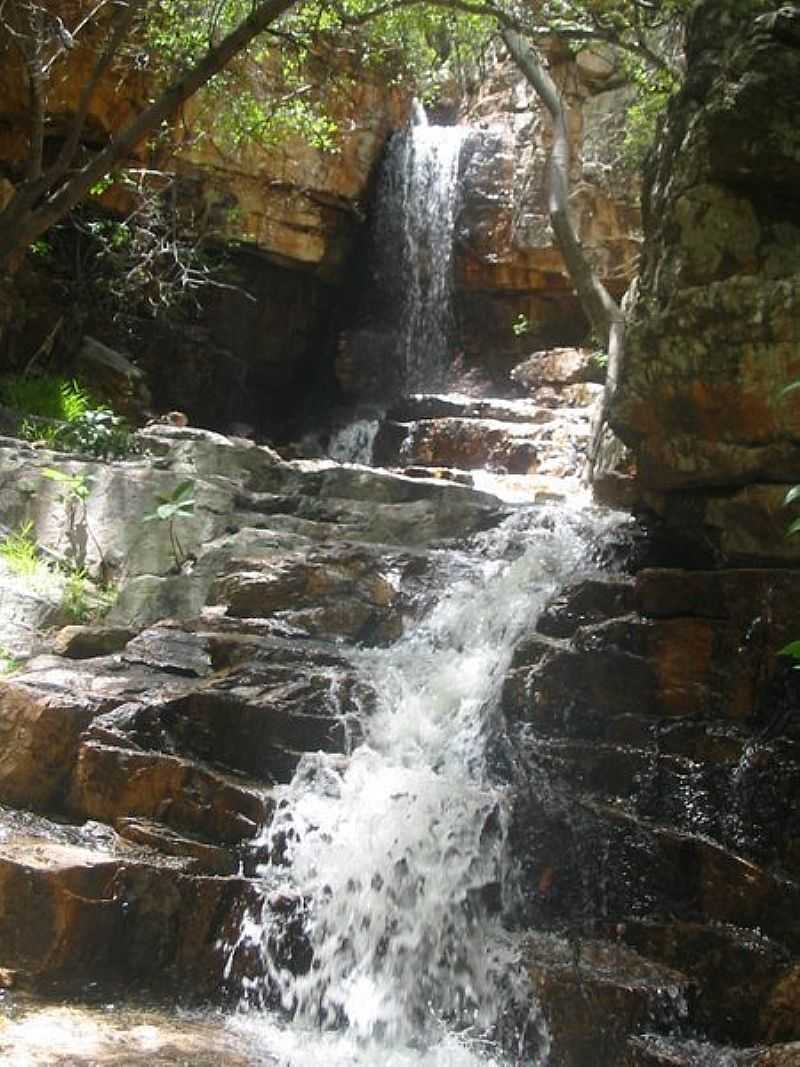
(294, 201)
(652, 717)
(713, 337)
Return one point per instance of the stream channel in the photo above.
(398, 848)
(391, 854)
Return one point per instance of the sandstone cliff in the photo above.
(713, 337)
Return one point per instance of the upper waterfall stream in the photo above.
(398, 850)
(418, 199)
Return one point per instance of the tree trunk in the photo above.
(31, 212)
(602, 310)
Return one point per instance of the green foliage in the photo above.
(20, 551)
(285, 85)
(520, 326)
(74, 419)
(76, 604)
(98, 432)
(653, 90)
(792, 650)
(46, 397)
(179, 504)
(75, 488)
(8, 663)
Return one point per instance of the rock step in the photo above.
(697, 777)
(112, 782)
(654, 1051)
(589, 858)
(416, 523)
(205, 857)
(110, 912)
(594, 994)
(473, 444)
(420, 406)
(744, 982)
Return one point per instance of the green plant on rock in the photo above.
(75, 490)
(792, 650)
(97, 432)
(46, 402)
(64, 414)
(8, 662)
(46, 396)
(20, 551)
(170, 507)
(520, 326)
(81, 600)
(76, 604)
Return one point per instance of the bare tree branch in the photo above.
(121, 25)
(601, 308)
(32, 211)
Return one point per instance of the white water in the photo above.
(354, 442)
(393, 847)
(420, 190)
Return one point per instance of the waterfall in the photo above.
(398, 851)
(414, 247)
(353, 442)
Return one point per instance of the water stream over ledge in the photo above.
(397, 850)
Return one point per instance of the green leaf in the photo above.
(793, 528)
(792, 649)
(791, 388)
(792, 495)
(184, 490)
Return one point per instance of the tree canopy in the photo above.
(190, 47)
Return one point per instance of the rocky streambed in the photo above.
(439, 753)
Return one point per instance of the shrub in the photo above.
(20, 551)
(64, 414)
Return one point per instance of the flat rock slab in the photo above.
(66, 1035)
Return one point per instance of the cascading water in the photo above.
(418, 199)
(398, 851)
(353, 443)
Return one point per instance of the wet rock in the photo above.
(738, 977)
(168, 648)
(208, 858)
(259, 718)
(111, 782)
(44, 711)
(342, 592)
(471, 443)
(432, 406)
(590, 601)
(108, 911)
(594, 994)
